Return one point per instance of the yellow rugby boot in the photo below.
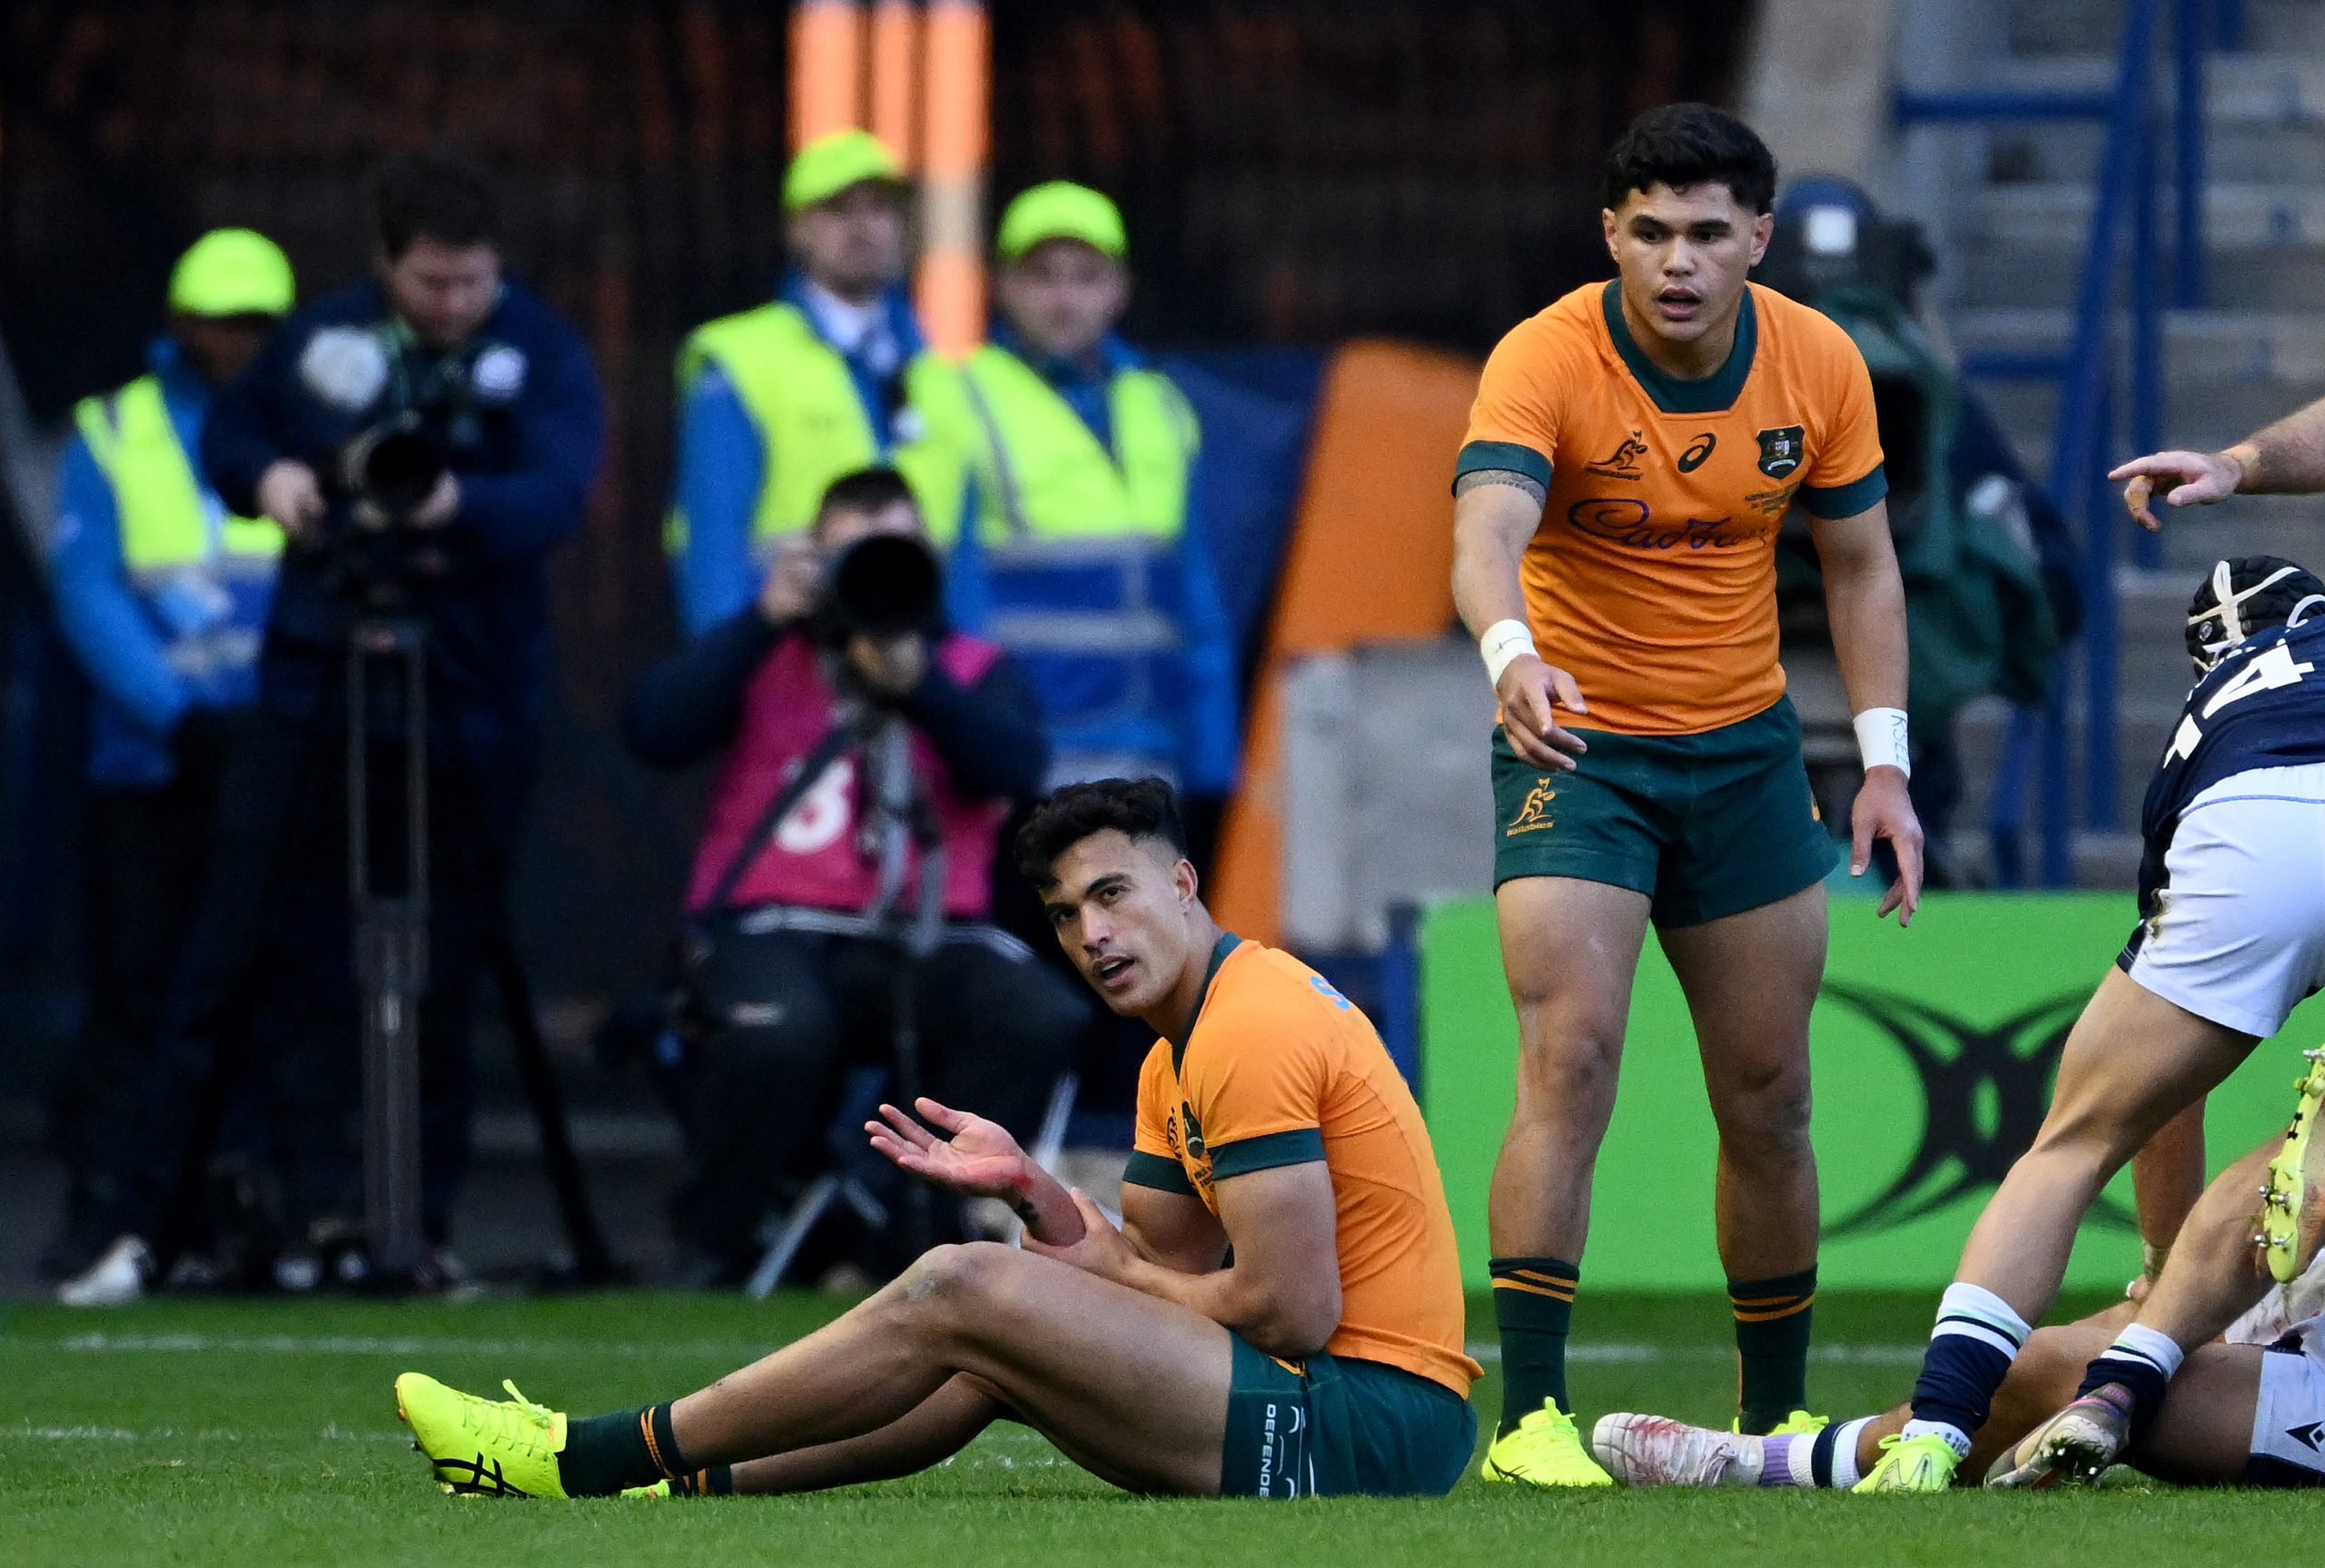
(1543, 1450)
(2292, 1209)
(1924, 1464)
(1799, 1424)
(483, 1447)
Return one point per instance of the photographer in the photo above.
(798, 926)
(425, 438)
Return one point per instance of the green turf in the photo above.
(214, 1433)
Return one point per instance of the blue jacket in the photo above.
(722, 460)
(121, 635)
(1196, 731)
(524, 465)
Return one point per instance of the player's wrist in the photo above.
(2244, 458)
(1504, 643)
(1881, 740)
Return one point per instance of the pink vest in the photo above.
(815, 858)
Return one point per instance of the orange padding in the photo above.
(826, 68)
(1371, 559)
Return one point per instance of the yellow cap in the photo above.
(830, 164)
(1061, 209)
(232, 272)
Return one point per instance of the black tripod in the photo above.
(896, 819)
(384, 666)
(391, 918)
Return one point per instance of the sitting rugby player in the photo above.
(1279, 1313)
(2231, 938)
(2247, 1411)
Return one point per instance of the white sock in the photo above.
(1845, 1470)
(1955, 1438)
(1979, 1313)
(2157, 1349)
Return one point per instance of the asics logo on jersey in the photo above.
(1624, 521)
(1697, 450)
(1623, 462)
(1533, 812)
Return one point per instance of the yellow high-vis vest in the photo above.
(799, 393)
(164, 509)
(1042, 474)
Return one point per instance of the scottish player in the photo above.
(2247, 1411)
(1278, 1316)
(1633, 451)
(2231, 938)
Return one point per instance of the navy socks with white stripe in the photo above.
(2142, 1360)
(1978, 1336)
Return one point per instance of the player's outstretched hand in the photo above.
(1883, 810)
(977, 1158)
(2191, 479)
(1103, 1250)
(1529, 690)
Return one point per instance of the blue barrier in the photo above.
(2091, 402)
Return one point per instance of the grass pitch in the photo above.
(217, 1433)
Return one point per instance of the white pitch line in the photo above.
(1584, 1352)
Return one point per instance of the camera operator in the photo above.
(799, 954)
(425, 438)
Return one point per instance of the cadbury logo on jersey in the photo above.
(1620, 520)
(1780, 450)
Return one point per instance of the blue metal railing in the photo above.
(2102, 378)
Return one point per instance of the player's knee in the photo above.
(956, 1278)
(1567, 1079)
(1765, 1110)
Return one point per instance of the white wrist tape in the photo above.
(1504, 641)
(1881, 739)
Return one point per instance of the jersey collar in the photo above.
(1228, 943)
(1712, 394)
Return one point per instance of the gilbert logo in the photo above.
(1984, 1088)
(1622, 463)
(1533, 810)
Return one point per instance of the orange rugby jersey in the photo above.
(1652, 576)
(1279, 1068)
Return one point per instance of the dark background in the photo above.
(1293, 172)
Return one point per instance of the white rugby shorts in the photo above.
(2240, 939)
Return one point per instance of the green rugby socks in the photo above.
(1533, 1304)
(1772, 1322)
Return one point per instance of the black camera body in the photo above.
(882, 587)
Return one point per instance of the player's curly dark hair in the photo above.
(1682, 144)
(1139, 808)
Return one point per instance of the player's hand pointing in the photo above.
(1883, 810)
(1529, 690)
(2191, 479)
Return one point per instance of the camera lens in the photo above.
(885, 586)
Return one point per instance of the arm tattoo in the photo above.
(1478, 478)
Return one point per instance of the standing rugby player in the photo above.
(2230, 939)
(1631, 455)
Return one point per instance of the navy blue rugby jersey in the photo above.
(2262, 706)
